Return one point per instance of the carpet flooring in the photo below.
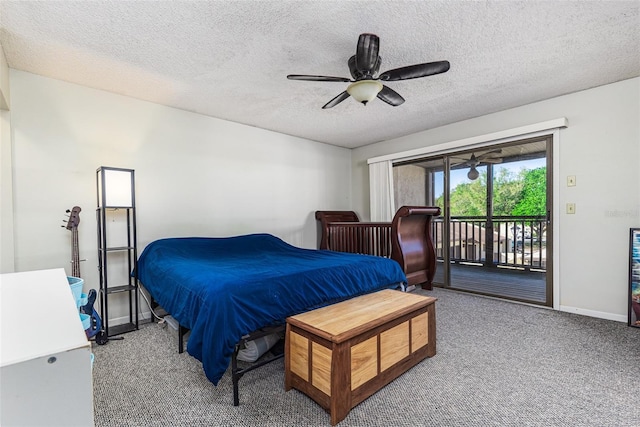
(497, 364)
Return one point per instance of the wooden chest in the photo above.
(341, 354)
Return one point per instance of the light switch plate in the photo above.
(571, 208)
(571, 181)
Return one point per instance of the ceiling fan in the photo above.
(363, 67)
(473, 162)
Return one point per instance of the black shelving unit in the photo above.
(117, 243)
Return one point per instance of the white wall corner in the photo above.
(5, 99)
(6, 172)
(7, 260)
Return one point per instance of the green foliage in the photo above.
(533, 200)
(468, 199)
(507, 190)
(514, 194)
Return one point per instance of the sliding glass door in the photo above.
(494, 234)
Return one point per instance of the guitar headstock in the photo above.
(74, 218)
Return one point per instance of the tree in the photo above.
(533, 199)
(468, 199)
(514, 194)
(507, 190)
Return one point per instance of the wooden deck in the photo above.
(499, 282)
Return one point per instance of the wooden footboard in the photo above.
(407, 239)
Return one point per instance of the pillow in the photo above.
(254, 349)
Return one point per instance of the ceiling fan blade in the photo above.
(490, 160)
(458, 164)
(489, 153)
(376, 67)
(353, 70)
(337, 100)
(317, 78)
(390, 96)
(367, 53)
(415, 71)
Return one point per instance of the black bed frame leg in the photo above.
(235, 377)
(181, 332)
(236, 372)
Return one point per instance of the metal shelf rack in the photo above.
(117, 244)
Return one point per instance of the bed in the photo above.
(225, 288)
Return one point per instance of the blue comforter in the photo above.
(224, 288)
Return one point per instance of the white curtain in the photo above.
(381, 191)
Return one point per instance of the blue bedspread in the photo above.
(224, 288)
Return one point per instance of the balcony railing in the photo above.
(516, 242)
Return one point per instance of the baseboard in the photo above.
(593, 313)
(143, 317)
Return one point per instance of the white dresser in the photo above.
(45, 357)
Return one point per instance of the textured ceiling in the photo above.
(229, 59)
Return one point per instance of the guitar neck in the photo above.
(75, 254)
(72, 225)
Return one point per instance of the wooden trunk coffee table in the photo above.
(343, 353)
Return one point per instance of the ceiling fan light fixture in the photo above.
(364, 90)
(473, 174)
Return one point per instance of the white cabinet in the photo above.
(45, 357)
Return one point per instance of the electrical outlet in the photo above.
(571, 208)
(571, 181)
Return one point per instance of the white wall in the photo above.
(195, 175)
(6, 189)
(601, 146)
(6, 195)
